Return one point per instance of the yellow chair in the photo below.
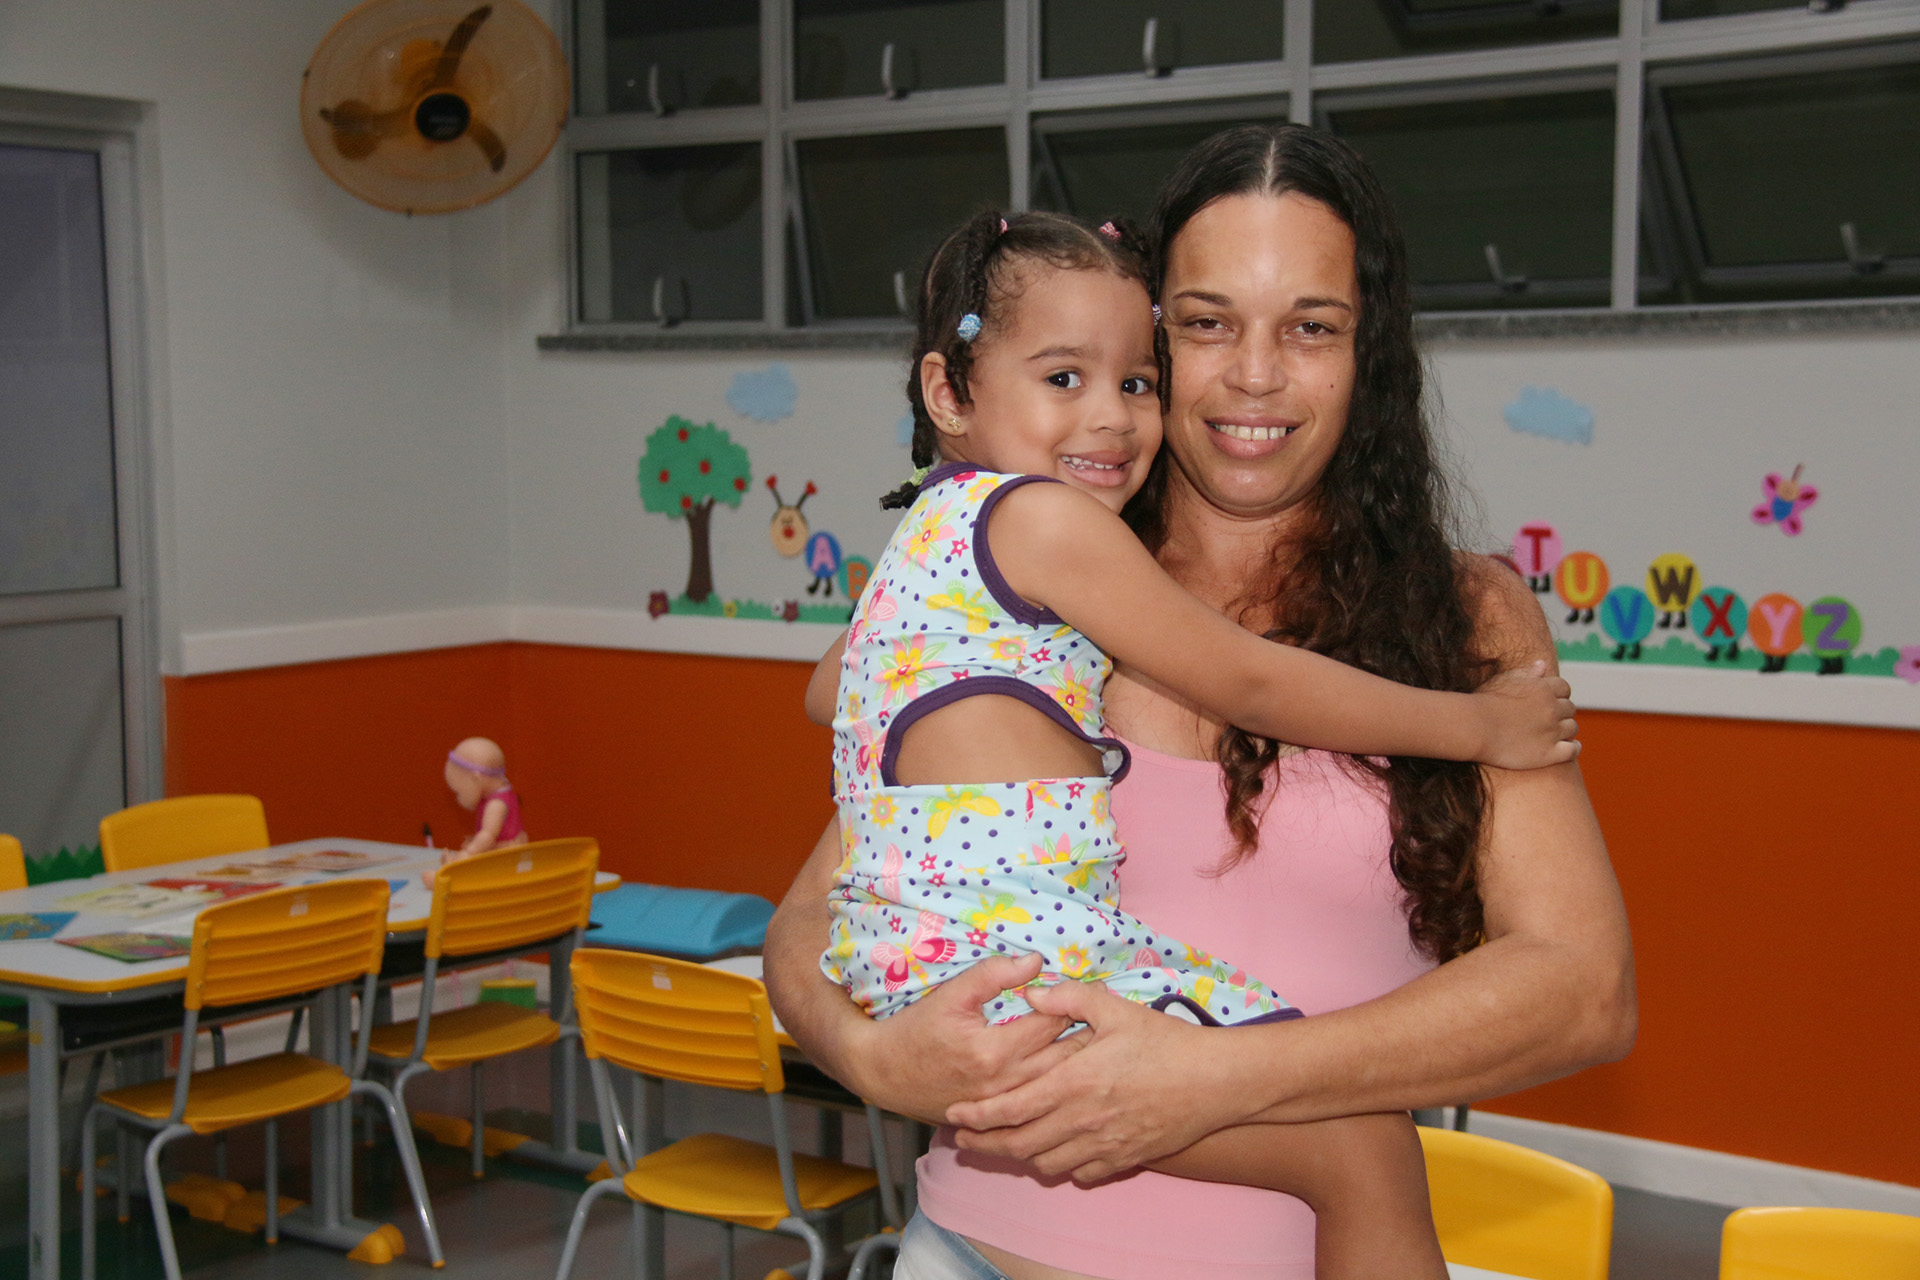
(1819, 1244)
(13, 863)
(493, 902)
(1505, 1208)
(180, 828)
(672, 1020)
(271, 946)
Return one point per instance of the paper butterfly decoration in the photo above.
(1786, 499)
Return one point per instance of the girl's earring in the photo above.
(953, 423)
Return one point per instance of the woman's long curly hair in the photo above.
(1374, 582)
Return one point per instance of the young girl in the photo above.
(988, 629)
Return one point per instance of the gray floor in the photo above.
(510, 1224)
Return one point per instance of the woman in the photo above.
(1296, 492)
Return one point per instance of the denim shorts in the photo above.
(928, 1251)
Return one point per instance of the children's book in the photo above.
(215, 890)
(23, 926)
(241, 871)
(331, 861)
(134, 901)
(132, 947)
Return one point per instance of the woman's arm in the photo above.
(1551, 991)
(925, 1058)
(823, 686)
(1061, 549)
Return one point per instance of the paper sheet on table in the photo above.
(134, 901)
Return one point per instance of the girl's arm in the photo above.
(823, 688)
(922, 1060)
(1061, 549)
(1551, 991)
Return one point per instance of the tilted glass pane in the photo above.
(840, 47)
(58, 527)
(1677, 10)
(878, 205)
(62, 763)
(1104, 37)
(692, 53)
(1531, 177)
(1116, 172)
(1356, 30)
(1775, 168)
(680, 228)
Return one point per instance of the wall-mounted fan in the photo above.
(427, 106)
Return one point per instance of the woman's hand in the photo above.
(1136, 1090)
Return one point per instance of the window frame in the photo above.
(1645, 46)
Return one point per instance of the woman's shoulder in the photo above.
(1509, 625)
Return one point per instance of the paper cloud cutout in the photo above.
(765, 395)
(903, 432)
(1542, 411)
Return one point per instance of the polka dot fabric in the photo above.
(934, 878)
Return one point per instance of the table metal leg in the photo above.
(563, 1066)
(43, 1138)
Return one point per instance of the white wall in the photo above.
(330, 373)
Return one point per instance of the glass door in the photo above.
(77, 677)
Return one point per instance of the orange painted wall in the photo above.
(1771, 870)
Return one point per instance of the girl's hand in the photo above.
(1137, 1090)
(940, 1050)
(1528, 719)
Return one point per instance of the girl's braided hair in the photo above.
(975, 272)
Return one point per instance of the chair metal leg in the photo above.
(88, 1214)
(409, 1161)
(605, 1187)
(869, 1248)
(726, 1251)
(273, 1182)
(816, 1246)
(479, 1123)
(157, 1197)
(86, 1100)
(123, 1171)
(293, 1028)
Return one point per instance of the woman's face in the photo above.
(1261, 307)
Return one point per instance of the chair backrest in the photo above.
(1819, 1244)
(513, 896)
(181, 828)
(1506, 1208)
(676, 1020)
(13, 863)
(285, 942)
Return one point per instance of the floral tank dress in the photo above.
(934, 878)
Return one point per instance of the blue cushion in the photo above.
(696, 923)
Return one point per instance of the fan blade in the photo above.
(490, 143)
(358, 128)
(456, 46)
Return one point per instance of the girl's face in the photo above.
(1065, 385)
(1262, 304)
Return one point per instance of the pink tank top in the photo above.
(510, 825)
(1315, 912)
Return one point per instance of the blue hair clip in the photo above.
(969, 327)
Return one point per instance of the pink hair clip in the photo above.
(1003, 226)
(1110, 231)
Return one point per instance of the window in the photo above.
(790, 163)
(855, 48)
(1156, 37)
(1504, 202)
(670, 234)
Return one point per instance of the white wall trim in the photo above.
(1745, 695)
(633, 629)
(1862, 700)
(205, 652)
(1696, 1174)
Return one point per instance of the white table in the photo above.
(50, 976)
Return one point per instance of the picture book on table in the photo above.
(331, 861)
(24, 926)
(214, 890)
(241, 871)
(132, 947)
(134, 901)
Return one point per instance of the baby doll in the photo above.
(477, 773)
